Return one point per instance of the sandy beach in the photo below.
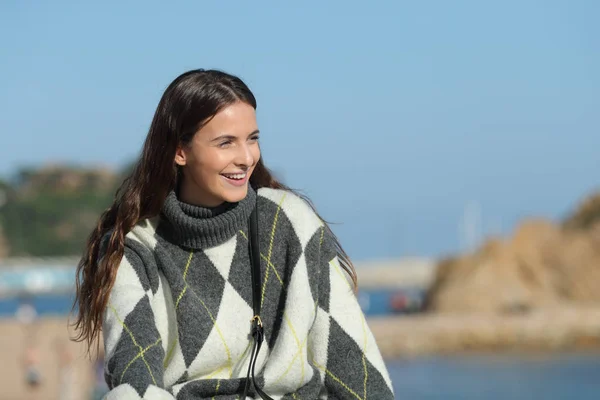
(544, 330)
(66, 373)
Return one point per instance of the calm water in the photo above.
(495, 377)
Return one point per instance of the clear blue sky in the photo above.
(391, 115)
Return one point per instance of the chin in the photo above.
(235, 196)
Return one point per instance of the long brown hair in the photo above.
(188, 103)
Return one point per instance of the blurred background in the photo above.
(454, 146)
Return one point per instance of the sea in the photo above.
(496, 376)
(493, 376)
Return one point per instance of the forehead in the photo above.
(235, 119)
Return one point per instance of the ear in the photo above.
(180, 157)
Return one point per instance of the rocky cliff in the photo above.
(543, 264)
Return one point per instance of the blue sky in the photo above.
(391, 115)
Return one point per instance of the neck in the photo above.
(198, 227)
(188, 195)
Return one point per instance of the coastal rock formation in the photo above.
(542, 265)
(587, 214)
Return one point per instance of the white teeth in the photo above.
(235, 176)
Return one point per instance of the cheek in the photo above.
(256, 154)
(211, 164)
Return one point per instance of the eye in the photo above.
(225, 144)
(254, 138)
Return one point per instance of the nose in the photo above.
(244, 157)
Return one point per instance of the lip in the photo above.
(236, 182)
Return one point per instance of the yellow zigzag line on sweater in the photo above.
(212, 318)
(321, 240)
(364, 352)
(300, 346)
(138, 356)
(216, 372)
(289, 367)
(133, 340)
(335, 378)
(217, 388)
(320, 246)
(174, 343)
(287, 320)
(214, 321)
(262, 300)
(269, 263)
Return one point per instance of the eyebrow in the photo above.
(231, 137)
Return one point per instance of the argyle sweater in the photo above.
(178, 320)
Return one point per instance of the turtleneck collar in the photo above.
(197, 227)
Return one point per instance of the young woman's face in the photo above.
(220, 158)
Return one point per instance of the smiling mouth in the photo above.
(236, 177)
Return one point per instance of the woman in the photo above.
(167, 273)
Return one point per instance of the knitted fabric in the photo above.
(178, 320)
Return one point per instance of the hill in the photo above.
(543, 264)
(50, 211)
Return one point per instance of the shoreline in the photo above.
(564, 328)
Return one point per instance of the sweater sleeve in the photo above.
(132, 344)
(340, 344)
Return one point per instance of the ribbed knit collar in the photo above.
(201, 227)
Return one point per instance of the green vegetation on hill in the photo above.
(51, 211)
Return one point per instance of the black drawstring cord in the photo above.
(257, 326)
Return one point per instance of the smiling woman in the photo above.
(201, 247)
(221, 157)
